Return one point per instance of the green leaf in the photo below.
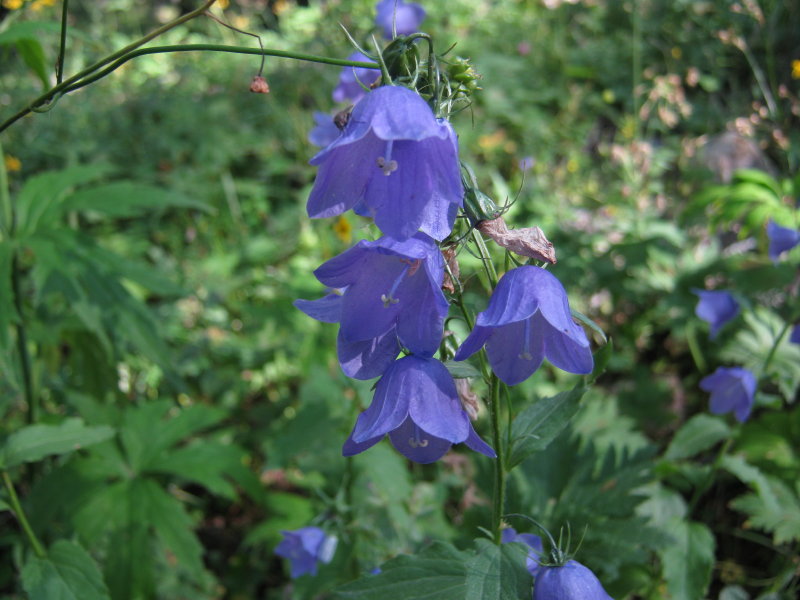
(462, 370)
(699, 433)
(538, 425)
(689, 560)
(33, 55)
(128, 199)
(34, 442)
(27, 30)
(67, 573)
(497, 572)
(437, 573)
(207, 462)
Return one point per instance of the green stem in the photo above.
(5, 198)
(499, 496)
(488, 265)
(16, 507)
(702, 489)
(63, 43)
(774, 349)
(22, 344)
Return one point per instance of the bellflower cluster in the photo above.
(306, 548)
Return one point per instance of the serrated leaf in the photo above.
(699, 433)
(66, 573)
(436, 573)
(497, 572)
(538, 424)
(34, 442)
(128, 199)
(462, 370)
(777, 511)
(689, 560)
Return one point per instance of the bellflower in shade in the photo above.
(781, 239)
(529, 539)
(571, 581)
(406, 18)
(716, 307)
(527, 320)
(325, 130)
(417, 405)
(794, 337)
(305, 548)
(387, 284)
(394, 162)
(353, 79)
(732, 390)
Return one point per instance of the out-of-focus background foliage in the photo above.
(157, 294)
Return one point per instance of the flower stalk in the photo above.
(16, 508)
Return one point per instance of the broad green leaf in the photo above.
(128, 199)
(757, 177)
(437, 573)
(689, 560)
(699, 433)
(27, 30)
(40, 198)
(66, 573)
(33, 55)
(207, 462)
(34, 442)
(497, 572)
(537, 425)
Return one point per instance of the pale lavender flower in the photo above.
(354, 81)
(781, 239)
(732, 390)
(305, 548)
(571, 581)
(406, 17)
(716, 307)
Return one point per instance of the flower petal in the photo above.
(389, 406)
(417, 445)
(561, 348)
(509, 357)
(369, 358)
(474, 442)
(434, 404)
(327, 309)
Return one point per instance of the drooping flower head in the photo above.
(571, 581)
(394, 162)
(325, 130)
(305, 548)
(732, 389)
(392, 292)
(528, 319)
(529, 539)
(353, 80)
(716, 307)
(781, 239)
(417, 405)
(406, 17)
(794, 337)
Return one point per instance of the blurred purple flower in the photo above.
(528, 319)
(716, 307)
(417, 405)
(325, 131)
(781, 239)
(526, 163)
(794, 337)
(732, 389)
(352, 80)
(392, 290)
(394, 162)
(407, 18)
(305, 548)
(571, 581)
(529, 539)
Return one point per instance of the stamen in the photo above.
(385, 163)
(526, 344)
(389, 298)
(415, 441)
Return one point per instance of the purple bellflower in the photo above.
(571, 581)
(305, 548)
(794, 337)
(394, 162)
(392, 291)
(406, 18)
(325, 130)
(528, 319)
(417, 405)
(732, 390)
(781, 239)
(716, 307)
(529, 539)
(353, 80)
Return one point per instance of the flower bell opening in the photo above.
(385, 163)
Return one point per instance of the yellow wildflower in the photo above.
(796, 69)
(12, 4)
(223, 4)
(12, 163)
(343, 229)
